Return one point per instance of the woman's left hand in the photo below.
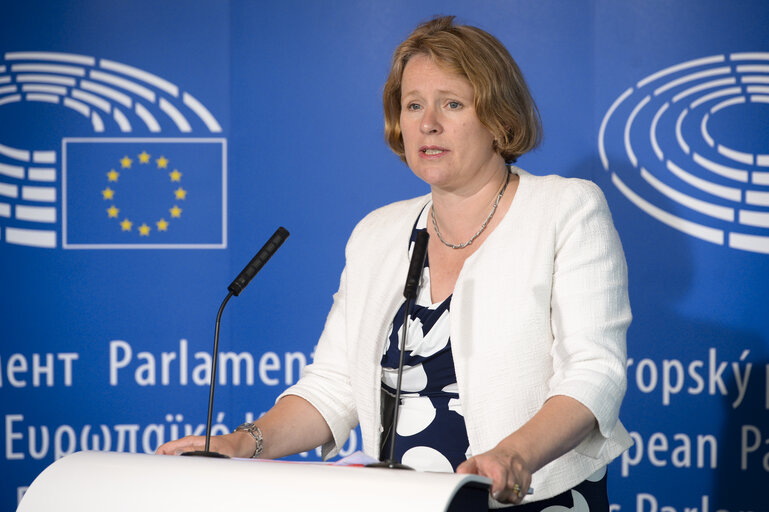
(560, 425)
(510, 480)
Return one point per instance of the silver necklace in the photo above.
(483, 226)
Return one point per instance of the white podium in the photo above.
(99, 481)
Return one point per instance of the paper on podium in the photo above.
(98, 481)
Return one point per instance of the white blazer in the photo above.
(540, 309)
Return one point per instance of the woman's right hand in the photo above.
(237, 444)
(293, 425)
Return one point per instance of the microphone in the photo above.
(410, 293)
(258, 261)
(237, 286)
(416, 266)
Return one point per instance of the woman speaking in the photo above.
(515, 359)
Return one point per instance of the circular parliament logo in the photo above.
(689, 145)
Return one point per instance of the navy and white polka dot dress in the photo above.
(431, 433)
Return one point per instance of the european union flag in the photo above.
(144, 193)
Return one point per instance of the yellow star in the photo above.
(162, 162)
(126, 225)
(176, 175)
(176, 212)
(108, 193)
(144, 158)
(162, 225)
(112, 211)
(144, 230)
(125, 162)
(180, 193)
(113, 175)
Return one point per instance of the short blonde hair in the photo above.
(502, 99)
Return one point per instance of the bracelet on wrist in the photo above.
(256, 433)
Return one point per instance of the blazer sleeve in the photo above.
(326, 382)
(590, 310)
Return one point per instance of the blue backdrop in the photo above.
(147, 149)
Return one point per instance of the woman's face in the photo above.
(445, 143)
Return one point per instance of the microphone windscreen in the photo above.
(258, 261)
(417, 264)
